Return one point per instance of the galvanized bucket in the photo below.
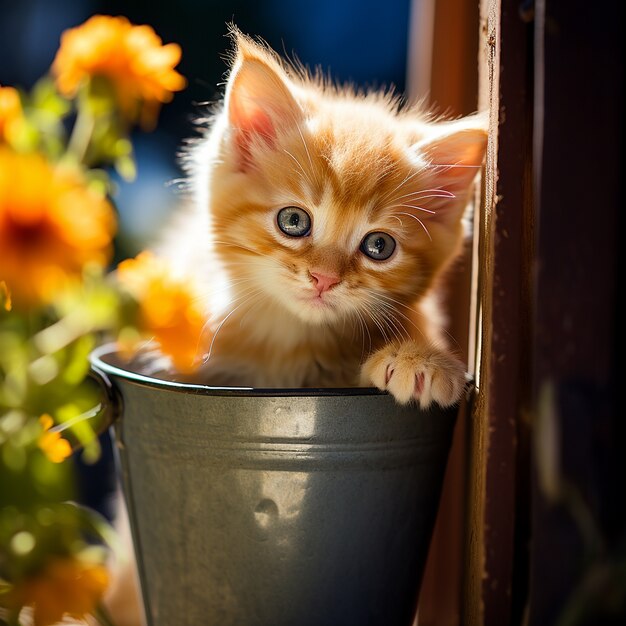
(256, 507)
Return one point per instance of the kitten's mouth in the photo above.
(318, 301)
(314, 308)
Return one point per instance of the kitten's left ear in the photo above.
(259, 101)
(455, 152)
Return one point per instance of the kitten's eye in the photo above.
(294, 221)
(378, 246)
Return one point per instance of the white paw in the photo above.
(413, 372)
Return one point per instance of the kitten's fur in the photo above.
(315, 310)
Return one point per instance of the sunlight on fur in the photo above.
(373, 195)
(321, 223)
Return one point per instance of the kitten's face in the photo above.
(330, 238)
(333, 206)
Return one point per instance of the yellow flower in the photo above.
(66, 586)
(132, 58)
(51, 225)
(52, 444)
(169, 309)
(11, 114)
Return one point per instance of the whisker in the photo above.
(417, 328)
(438, 192)
(308, 154)
(392, 312)
(264, 296)
(393, 302)
(420, 198)
(450, 165)
(306, 148)
(303, 174)
(249, 295)
(207, 294)
(386, 312)
(367, 310)
(395, 325)
(235, 300)
(376, 319)
(355, 313)
(401, 314)
(417, 197)
(406, 179)
(366, 329)
(414, 206)
(399, 220)
(418, 220)
(388, 322)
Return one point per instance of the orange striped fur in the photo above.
(356, 164)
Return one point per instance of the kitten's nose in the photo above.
(323, 282)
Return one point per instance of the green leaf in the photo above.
(46, 98)
(125, 167)
(77, 365)
(31, 479)
(44, 111)
(27, 136)
(98, 180)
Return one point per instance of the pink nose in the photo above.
(323, 282)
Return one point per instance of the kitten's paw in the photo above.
(410, 371)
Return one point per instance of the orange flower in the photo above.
(66, 586)
(169, 310)
(11, 114)
(132, 58)
(6, 296)
(51, 225)
(52, 444)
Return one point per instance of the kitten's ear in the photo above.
(259, 102)
(455, 151)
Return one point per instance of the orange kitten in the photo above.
(321, 222)
(324, 218)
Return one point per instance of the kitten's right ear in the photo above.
(259, 102)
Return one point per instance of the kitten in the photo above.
(324, 219)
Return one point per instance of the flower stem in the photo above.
(82, 133)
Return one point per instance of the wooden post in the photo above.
(504, 234)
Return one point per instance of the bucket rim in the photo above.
(98, 362)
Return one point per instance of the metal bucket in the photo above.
(289, 507)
